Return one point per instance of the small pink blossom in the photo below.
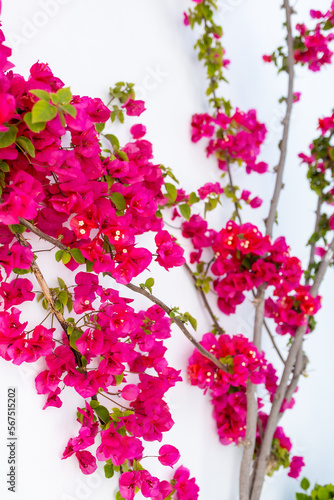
(296, 465)
(168, 455)
(134, 108)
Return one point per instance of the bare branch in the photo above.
(316, 228)
(252, 409)
(273, 341)
(286, 124)
(42, 235)
(233, 189)
(249, 443)
(205, 300)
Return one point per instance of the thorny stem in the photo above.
(205, 300)
(41, 234)
(274, 415)
(47, 294)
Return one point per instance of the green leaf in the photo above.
(74, 336)
(17, 228)
(63, 297)
(323, 494)
(191, 320)
(65, 95)
(4, 167)
(94, 404)
(58, 305)
(99, 127)
(123, 156)
(305, 483)
(185, 210)
(61, 283)
(69, 109)
(108, 470)
(149, 282)
(119, 378)
(89, 266)
(21, 271)
(113, 140)
(34, 127)
(41, 94)
(77, 255)
(27, 145)
(119, 496)
(66, 257)
(171, 190)
(59, 255)
(54, 98)
(102, 413)
(118, 200)
(193, 198)
(42, 111)
(9, 137)
(302, 496)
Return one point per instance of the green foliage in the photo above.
(7, 138)
(42, 111)
(108, 470)
(185, 210)
(184, 317)
(103, 413)
(118, 200)
(325, 492)
(122, 91)
(34, 127)
(171, 192)
(148, 284)
(26, 144)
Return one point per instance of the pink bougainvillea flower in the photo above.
(186, 489)
(134, 108)
(87, 462)
(168, 455)
(296, 96)
(130, 392)
(296, 465)
(170, 254)
(128, 481)
(185, 19)
(138, 131)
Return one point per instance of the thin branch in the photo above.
(237, 213)
(178, 322)
(316, 228)
(273, 341)
(252, 408)
(274, 415)
(47, 294)
(205, 300)
(286, 125)
(41, 234)
(249, 443)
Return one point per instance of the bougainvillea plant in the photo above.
(70, 188)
